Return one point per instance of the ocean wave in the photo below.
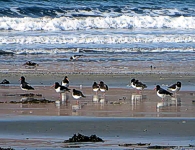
(122, 22)
(100, 50)
(98, 39)
(79, 8)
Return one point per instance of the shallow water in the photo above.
(107, 33)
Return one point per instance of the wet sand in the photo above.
(118, 102)
(122, 116)
(50, 132)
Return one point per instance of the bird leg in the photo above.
(77, 102)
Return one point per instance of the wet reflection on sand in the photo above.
(174, 101)
(116, 103)
(172, 105)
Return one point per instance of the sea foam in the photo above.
(99, 39)
(85, 23)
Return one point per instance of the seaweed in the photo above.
(6, 148)
(24, 95)
(161, 147)
(33, 101)
(136, 144)
(82, 138)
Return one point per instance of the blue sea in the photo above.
(100, 30)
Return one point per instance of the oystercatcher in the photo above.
(136, 84)
(75, 57)
(103, 87)
(30, 64)
(95, 87)
(65, 82)
(162, 92)
(5, 81)
(24, 85)
(60, 89)
(133, 83)
(76, 94)
(175, 87)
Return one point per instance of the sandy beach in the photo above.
(121, 117)
(93, 41)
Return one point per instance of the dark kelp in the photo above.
(82, 138)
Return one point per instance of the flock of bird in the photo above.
(162, 93)
(64, 87)
(101, 86)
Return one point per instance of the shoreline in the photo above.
(122, 117)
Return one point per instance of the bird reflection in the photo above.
(162, 104)
(102, 100)
(24, 99)
(136, 97)
(95, 98)
(98, 99)
(174, 101)
(76, 107)
(135, 100)
(57, 102)
(65, 97)
(64, 100)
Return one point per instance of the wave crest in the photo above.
(85, 23)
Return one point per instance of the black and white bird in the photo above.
(133, 83)
(76, 94)
(60, 89)
(65, 82)
(30, 64)
(5, 81)
(24, 85)
(103, 87)
(95, 87)
(175, 87)
(75, 57)
(139, 85)
(136, 84)
(162, 93)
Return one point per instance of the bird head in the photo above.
(179, 84)
(133, 80)
(56, 85)
(157, 88)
